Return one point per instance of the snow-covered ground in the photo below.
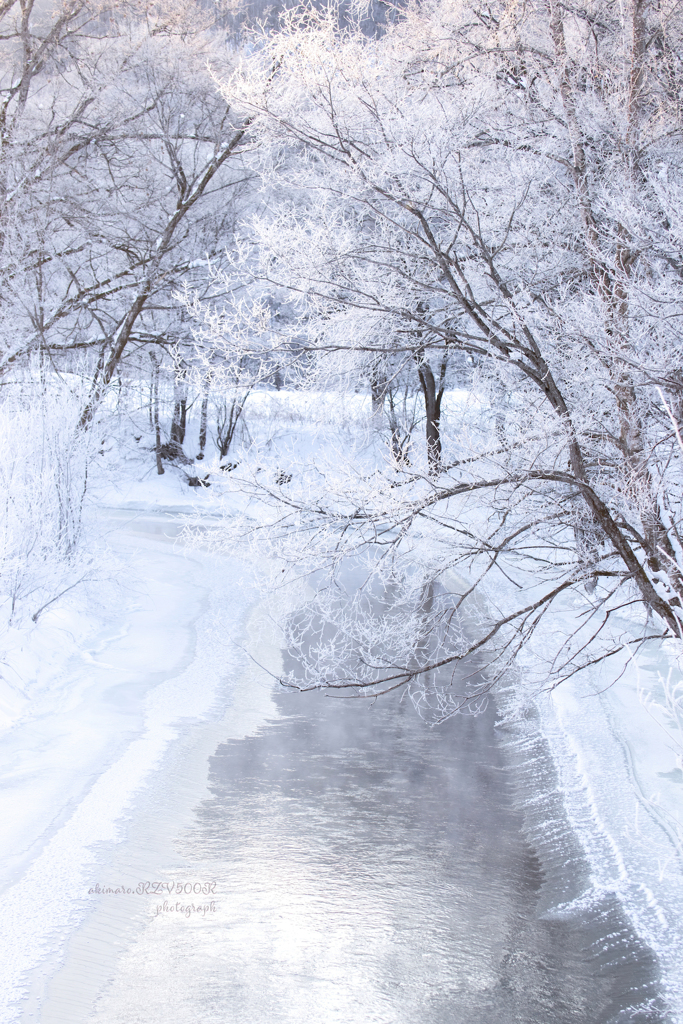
(94, 696)
(618, 752)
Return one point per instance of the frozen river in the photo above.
(340, 862)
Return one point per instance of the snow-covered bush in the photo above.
(44, 460)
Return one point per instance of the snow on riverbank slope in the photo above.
(618, 753)
(100, 695)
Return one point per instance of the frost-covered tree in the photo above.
(505, 186)
(122, 170)
(120, 173)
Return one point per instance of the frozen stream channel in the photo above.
(340, 863)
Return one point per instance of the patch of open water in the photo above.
(369, 868)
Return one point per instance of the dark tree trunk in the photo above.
(432, 400)
(401, 426)
(179, 420)
(378, 390)
(155, 411)
(203, 420)
(673, 384)
(227, 418)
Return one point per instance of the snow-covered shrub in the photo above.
(43, 482)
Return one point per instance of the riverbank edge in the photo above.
(613, 802)
(620, 844)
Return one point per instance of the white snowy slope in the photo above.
(102, 695)
(618, 752)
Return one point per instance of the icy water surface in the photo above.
(370, 869)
